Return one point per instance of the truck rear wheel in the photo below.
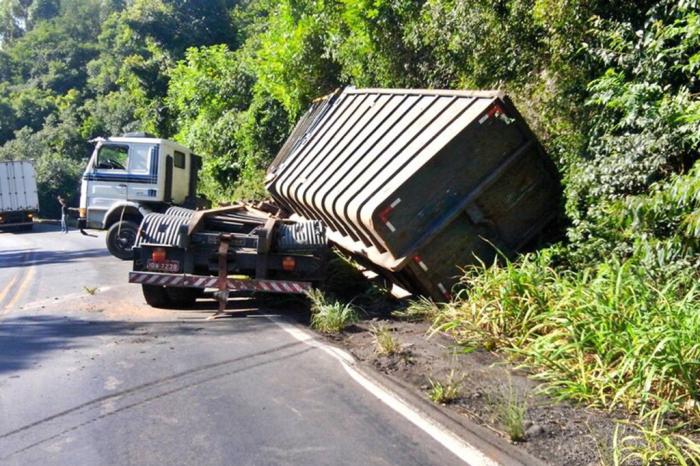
(156, 296)
(121, 238)
(183, 298)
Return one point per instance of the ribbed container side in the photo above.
(418, 182)
(18, 191)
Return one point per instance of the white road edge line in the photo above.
(463, 450)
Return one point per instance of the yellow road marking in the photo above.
(6, 290)
(22, 288)
(24, 284)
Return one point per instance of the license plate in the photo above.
(167, 266)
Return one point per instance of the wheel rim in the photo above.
(125, 239)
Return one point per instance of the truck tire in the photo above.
(121, 238)
(183, 298)
(156, 296)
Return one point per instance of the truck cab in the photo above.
(129, 177)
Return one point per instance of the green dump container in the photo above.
(418, 183)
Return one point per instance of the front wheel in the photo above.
(121, 238)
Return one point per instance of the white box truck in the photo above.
(19, 200)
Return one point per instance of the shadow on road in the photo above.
(25, 339)
(36, 228)
(25, 257)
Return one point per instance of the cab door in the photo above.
(107, 181)
(143, 173)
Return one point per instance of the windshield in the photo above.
(111, 156)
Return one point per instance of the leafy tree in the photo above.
(645, 121)
(208, 92)
(176, 25)
(13, 19)
(289, 57)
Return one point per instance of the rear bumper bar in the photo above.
(198, 281)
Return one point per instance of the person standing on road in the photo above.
(64, 214)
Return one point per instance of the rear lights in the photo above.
(288, 264)
(158, 255)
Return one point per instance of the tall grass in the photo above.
(329, 315)
(609, 335)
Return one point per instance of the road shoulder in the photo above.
(467, 440)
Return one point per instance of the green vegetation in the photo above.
(384, 341)
(344, 277)
(445, 391)
(612, 334)
(329, 315)
(654, 443)
(419, 309)
(510, 408)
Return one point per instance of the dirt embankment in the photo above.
(490, 391)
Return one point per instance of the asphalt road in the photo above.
(90, 375)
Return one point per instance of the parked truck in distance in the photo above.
(129, 177)
(19, 200)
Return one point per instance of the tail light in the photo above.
(158, 255)
(288, 264)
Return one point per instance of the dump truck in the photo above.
(129, 177)
(19, 200)
(417, 184)
(414, 184)
(180, 253)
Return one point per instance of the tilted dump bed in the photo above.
(418, 182)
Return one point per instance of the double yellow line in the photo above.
(15, 293)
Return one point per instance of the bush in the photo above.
(329, 315)
(609, 335)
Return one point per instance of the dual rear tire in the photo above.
(171, 297)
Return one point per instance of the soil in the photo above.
(560, 433)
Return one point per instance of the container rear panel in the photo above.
(18, 190)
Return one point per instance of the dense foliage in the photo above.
(608, 86)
